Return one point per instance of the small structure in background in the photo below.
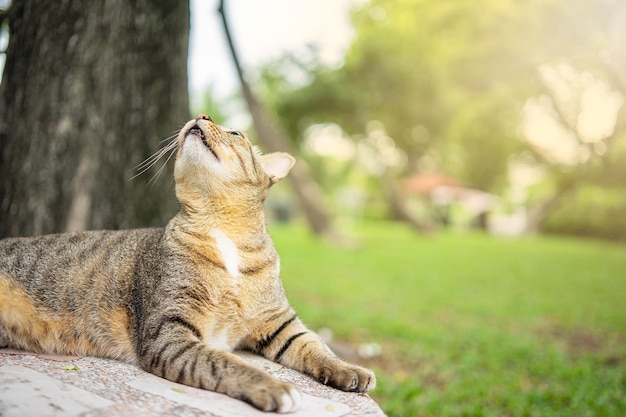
(442, 193)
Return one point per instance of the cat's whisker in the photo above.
(158, 173)
(159, 153)
(149, 162)
(155, 157)
(168, 141)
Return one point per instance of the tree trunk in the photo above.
(396, 202)
(541, 210)
(273, 139)
(89, 89)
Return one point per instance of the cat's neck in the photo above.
(240, 223)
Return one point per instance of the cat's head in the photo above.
(213, 162)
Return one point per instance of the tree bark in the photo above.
(89, 89)
(273, 139)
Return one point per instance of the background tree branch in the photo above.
(273, 139)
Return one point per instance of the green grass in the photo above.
(471, 325)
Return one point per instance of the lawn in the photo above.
(471, 325)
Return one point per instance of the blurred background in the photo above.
(505, 117)
(457, 216)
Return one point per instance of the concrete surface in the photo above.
(54, 386)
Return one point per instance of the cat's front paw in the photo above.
(275, 396)
(347, 377)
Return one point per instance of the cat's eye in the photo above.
(235, 133)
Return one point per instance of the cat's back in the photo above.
(69, 293)
(74, 257)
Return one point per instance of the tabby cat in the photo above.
(177, 301)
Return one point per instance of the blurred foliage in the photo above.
(484, 137)
(592, 211)
(449, 80)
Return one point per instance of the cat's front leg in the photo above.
(296, 347)
(185, 359)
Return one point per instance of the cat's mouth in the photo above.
(195, 130)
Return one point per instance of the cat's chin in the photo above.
(197, 132)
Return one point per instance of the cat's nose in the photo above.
(203, 117)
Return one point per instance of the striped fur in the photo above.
(176, 300)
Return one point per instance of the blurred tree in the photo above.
(449, 79)
(418, 66)
(415, 66)
(88, 90)
(586, 154)
(587, 85)
(480, 140)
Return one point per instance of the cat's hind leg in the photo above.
(4, 338)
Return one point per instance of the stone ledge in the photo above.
(92, 387)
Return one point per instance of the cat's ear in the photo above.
(277, 165)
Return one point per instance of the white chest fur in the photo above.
(228, 250)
